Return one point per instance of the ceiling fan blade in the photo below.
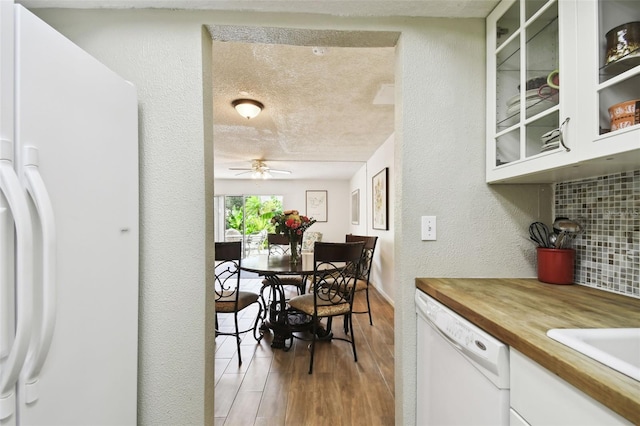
(239, 168)
(286, 172)
(243, 173)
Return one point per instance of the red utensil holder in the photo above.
(555, 266)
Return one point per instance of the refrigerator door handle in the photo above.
(16, 199)
(38, 351)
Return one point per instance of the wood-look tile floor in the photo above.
(273, 387)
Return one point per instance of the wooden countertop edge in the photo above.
(614, 390)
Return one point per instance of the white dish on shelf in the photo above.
(550, 147)
(529, 94)
(534, 106)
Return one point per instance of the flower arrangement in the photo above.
(292, 224)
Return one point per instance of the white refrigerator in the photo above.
(68, 231)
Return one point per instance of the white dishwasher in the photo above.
(462, 371)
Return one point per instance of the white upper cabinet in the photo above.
(551, 84)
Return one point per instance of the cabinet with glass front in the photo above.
(551, 85)
(612, 130)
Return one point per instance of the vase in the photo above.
(294, 253)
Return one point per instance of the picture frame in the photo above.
(380, 200)
(317, 205)
(355, 207)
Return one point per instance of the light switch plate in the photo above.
(428, 228)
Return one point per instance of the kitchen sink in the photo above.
(618, 348)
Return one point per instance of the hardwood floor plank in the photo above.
(244, 409)
(256, 375)
(220, 366)
(273, 386)
(275, 398)
(226, 391)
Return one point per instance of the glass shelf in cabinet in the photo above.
(619, 70)
(534, 113)
(508, 55)
(547, 20)
(507, 147)
(608, 133)
(618, 67)
(544, 118)
(533, 6)
(508, 24)
(543, 134)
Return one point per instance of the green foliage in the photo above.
(257, 214)
(234, 218)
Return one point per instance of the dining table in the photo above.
(280, 318)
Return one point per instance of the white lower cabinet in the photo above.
(539, 397)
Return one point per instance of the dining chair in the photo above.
(333, 289)
(278, 244)
(255, 242)
(229, 298)
(364, 272)
(309, 239)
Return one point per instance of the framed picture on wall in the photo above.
(380, 200)
(355, 207)
(317, 205)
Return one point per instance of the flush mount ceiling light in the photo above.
(247, 107)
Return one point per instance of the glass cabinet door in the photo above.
(527, 80)
(619, 67)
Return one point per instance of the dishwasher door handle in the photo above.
(454, 343)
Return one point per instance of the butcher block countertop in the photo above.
(520, 311)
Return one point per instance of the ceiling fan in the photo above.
(259, 170)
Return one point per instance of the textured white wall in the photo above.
(382, 274)
(439, 153)
(438, 170)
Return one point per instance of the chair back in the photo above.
(367, 253)
(277, 244)
(232, 235)
(228, 257)
(309, 239)
(255, 242)
(333, 284)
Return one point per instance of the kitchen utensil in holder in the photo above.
(555, 266)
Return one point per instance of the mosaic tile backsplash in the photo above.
(608, 251)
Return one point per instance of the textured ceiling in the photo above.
(319, 101)
(318, 87)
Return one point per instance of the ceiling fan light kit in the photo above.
(261, 174)
(247, 108)
(259, 170)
